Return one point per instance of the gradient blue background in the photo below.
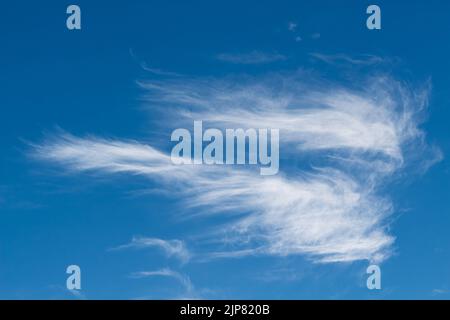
(85, 82)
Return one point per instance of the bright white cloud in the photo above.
(354, 139)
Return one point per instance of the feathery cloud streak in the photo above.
(356, 139)
(175, 248)
(185, 281)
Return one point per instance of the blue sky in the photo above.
(70, 100)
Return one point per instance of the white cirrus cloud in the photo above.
(184, 280)
(172, 248)
(342, 145)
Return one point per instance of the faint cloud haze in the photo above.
(254, 57)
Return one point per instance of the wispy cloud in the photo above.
(322, 214)
(440, 292)
(77, 294)
(156, 71)
(355, 139)
(184, 280)
(365, 59)
(159, 71)
(254, 57)
(172, 248)
(292, 26)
